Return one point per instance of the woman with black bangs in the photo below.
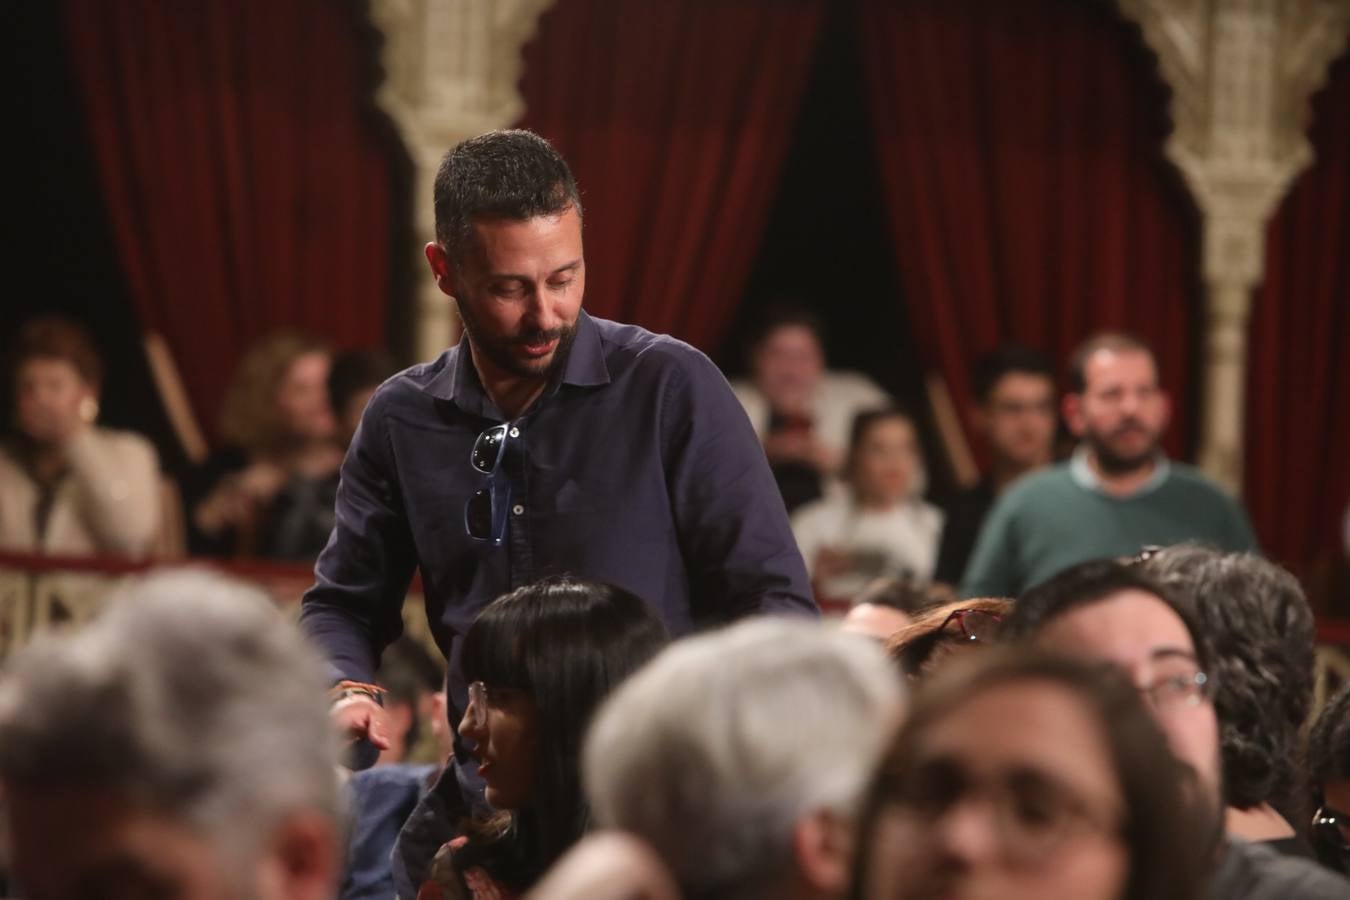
(539, 661)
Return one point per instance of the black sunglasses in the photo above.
(485, 511)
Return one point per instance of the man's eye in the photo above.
(560, 285)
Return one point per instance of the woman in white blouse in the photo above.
(877, 526)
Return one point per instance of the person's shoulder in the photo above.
(823, 513)
(1254, 870)
(1051, 481)
(634, 342)
(844, 385)
(126, 443)
(416, 380)
(1185, 477)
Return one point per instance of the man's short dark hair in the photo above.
(1117, 341)
(1088, 583)
(1329, 741)
(512, 174)
(1007, 359)
(1261, 633)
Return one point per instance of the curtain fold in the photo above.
(674, 118)
(247, 186)
(1298, 385)
(1020, 154)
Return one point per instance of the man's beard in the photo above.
(498, 350)
(1116, 463)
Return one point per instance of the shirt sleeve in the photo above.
(355, 608)
(729, 517)
(992, 570)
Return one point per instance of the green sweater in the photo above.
(1049, 521)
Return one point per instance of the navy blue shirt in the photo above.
(638, 467)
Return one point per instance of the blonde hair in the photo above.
(249, 416)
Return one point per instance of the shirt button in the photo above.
(515, 432)
(517, 510)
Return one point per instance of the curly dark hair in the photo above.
(1329, 740)
(1260, 633)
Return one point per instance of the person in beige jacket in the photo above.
(67, 486)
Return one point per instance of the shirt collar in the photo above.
(1084, 477)
(457, 380)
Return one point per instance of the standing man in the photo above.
(1015, 389)
(1119, 491)
(545, 442)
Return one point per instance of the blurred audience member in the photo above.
(178, 746)
(68, 486)
(1261, 634)
(1118, 492)
(1015, 390)
(1113, 612)
(539, 661)
(885, 606)
(1024, 777)
(952, 628)
(271, 491)
(1329, 776)
(352, 381)
(800, 411)
(741, 756)
(880, 526)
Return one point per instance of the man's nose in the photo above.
(968, 832)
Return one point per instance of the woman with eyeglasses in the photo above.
(1021, 776)
(940, 632)
(539, 661)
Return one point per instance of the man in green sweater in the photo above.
(1117, 494)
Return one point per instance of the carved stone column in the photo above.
(1241, 73)
(451, 69)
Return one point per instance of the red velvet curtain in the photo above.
(674, 118)
(246, 189)
(1019, 146)
(1298, 387)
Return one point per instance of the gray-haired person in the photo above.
(178, 746)
(741, 756)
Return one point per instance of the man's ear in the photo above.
(301, 861)
(441, 269)
(822, 845)
(1072, 407)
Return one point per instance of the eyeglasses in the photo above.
(1175, 691)
(975, 624)
(1331, 828)
(1032, 813)
(481, 697)
(485, 512)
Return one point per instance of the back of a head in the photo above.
(1260, 632)
(190, 695)
(512, 174)
(714, 751)
(915, 646)
(1166, 834)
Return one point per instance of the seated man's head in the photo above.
(787, 359)
(741, 756)
(1116, 404)
(178, 746)
(56, 375)
(1260, 631)
(1113, 612)
(1329, 775)
(352, 381)
(1029, 777)
(1015, 388)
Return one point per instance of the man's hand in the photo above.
(358, 717)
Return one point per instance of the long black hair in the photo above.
(567, 643)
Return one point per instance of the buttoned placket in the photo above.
(520, 559)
